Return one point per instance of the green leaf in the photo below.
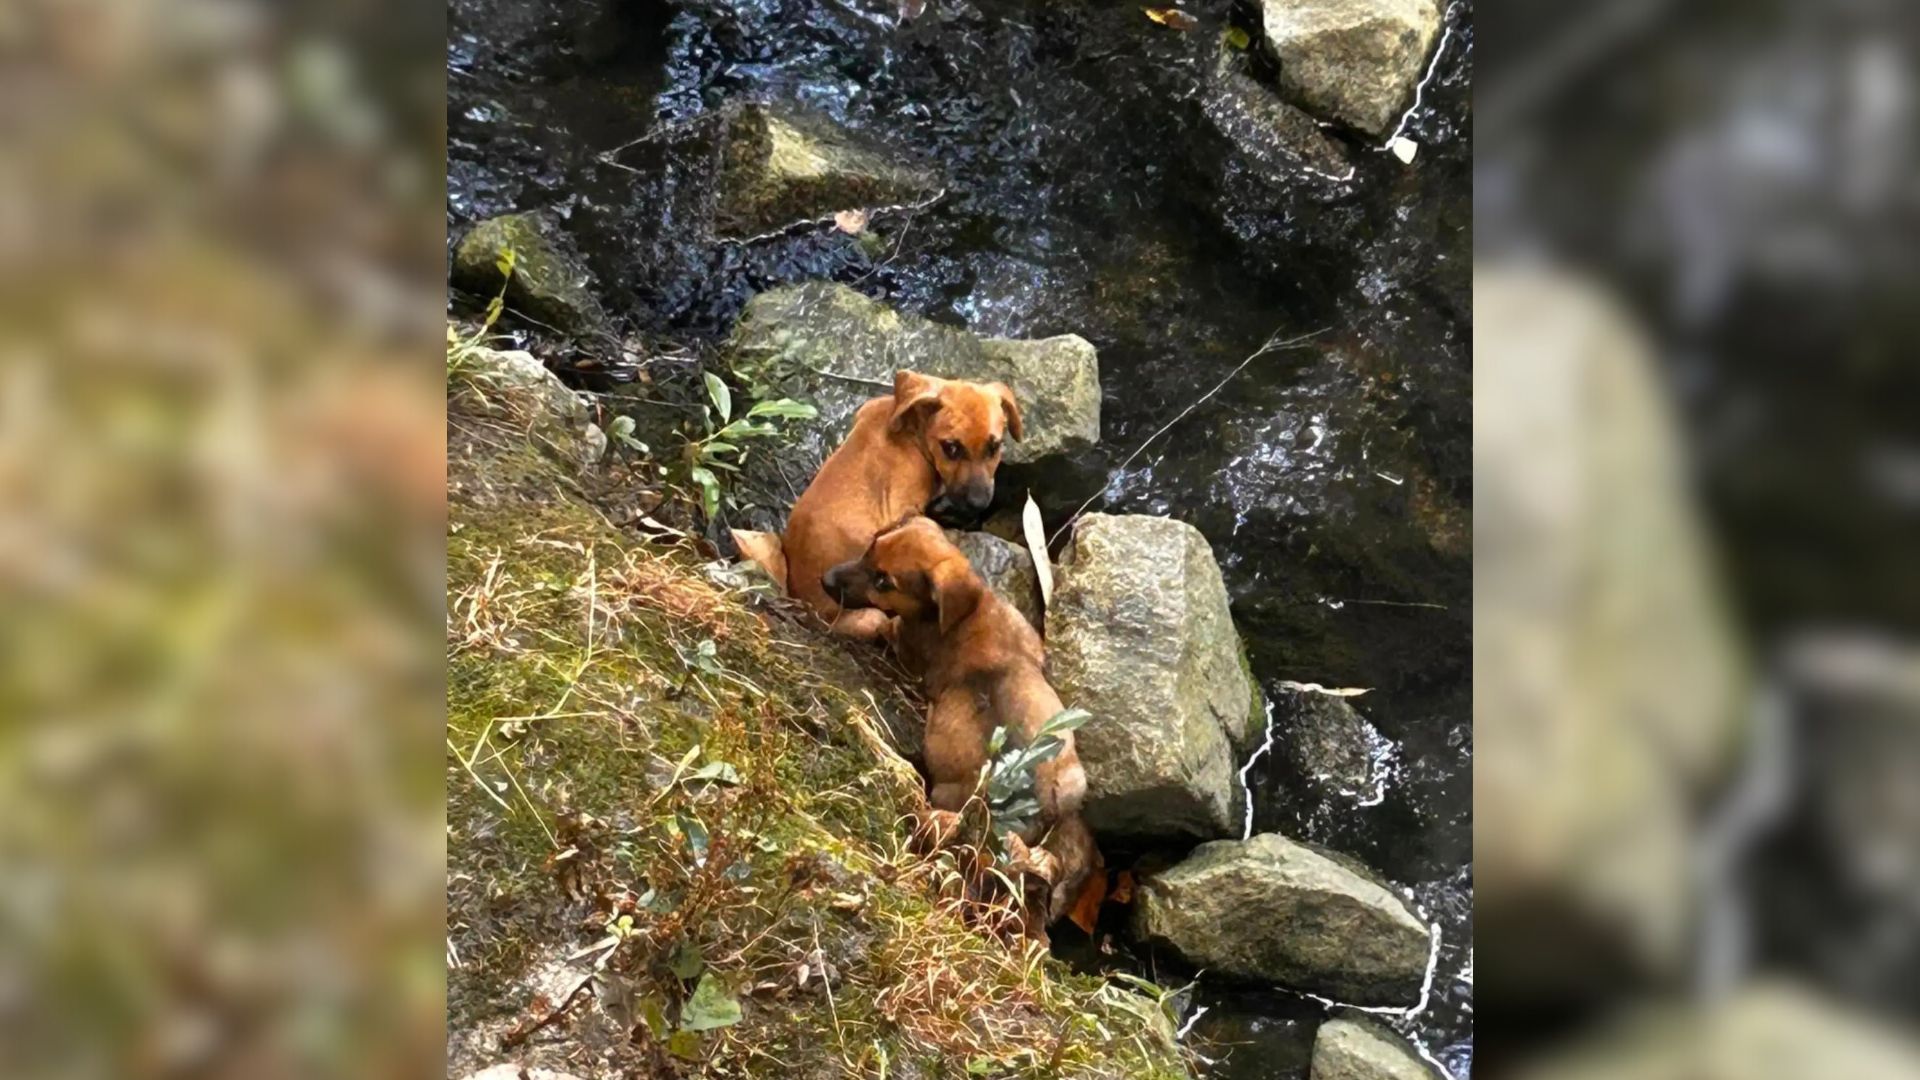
(684, 1045)
(655, 1015)
(696, 835)
(710, 1007)
(722, 397)
(686, 961)
(718, 772)
(505, 262)
(715, 446)
(1064, 720)
(709, 489)
(1237, 38)
(784, 407)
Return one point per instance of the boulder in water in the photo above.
(828, 345)
(782, 165)
(1271, 133)
(1347, 1049)
(1140, 636)
(1277, 911)
(549, 283)
(1329, 742)
(1355, 61)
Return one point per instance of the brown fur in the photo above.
(984, 668)
(930, 438)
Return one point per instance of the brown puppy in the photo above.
(984, 668)
(933, 445)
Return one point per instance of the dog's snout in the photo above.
(979, 496)
(834, 582)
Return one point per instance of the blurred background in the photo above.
(221, 554)
(1697, 472)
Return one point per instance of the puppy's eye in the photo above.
(882, 583)
(954, 450)
(993, 447)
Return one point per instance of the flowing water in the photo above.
(1088, 192)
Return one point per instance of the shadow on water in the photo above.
(1087, 192)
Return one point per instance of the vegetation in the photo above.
(678, 832)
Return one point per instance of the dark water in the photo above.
(1087, 193)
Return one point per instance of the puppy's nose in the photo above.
(832, 582)
(979, 497)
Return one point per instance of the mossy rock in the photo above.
(783, 165)
(1348, 1049)
(549, 284)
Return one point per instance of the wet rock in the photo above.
(1767, 1031)
(1139, 635)
(1360, 1050)
(549, 283)
(1356, 61)
(516, 386)
(1006, 566)
(1273, 134)
(1324, 925)
(1609, 689)
(783, 165)
(1329, 742)
(829, 345)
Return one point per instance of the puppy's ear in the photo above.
(957, 590)
(1012, 408)
(915, 397)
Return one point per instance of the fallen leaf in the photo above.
(1086, 908)
(1237, 38)
(911, 9)
(710, 1007)
(1404, 149)
(851, 222)
(1172, 18)
(1122, 888)
(1036, 535)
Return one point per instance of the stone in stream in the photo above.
(549, 282)
(1273, 134)
(1610, 693)
(1355, 61)
(1329, 742)
(828, 345)
(1006, 566)
(1347, 1049)
(785, 165)
(1277, 911)
(1140, 636)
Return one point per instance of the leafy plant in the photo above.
(728, 438)
(462, 352)
(1007, 781)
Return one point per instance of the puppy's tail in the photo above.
(765, 550)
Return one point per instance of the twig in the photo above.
(1270, 346)
(822, 372)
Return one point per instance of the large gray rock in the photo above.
(1768, 1031)
(1356, 61)
(828, 345)
(1360, 1050)
(1278, 911)
(1609, 691)
(516, 387)
(1139, 635)
(784, 165)
(1006, 566)
(549, 282)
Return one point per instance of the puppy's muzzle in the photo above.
(846, 584)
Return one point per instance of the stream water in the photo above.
(1088, 193)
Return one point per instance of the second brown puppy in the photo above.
(985, 668)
